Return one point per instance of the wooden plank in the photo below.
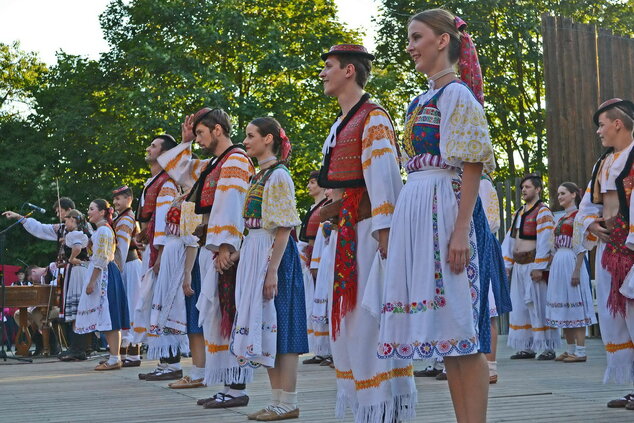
(591, 146)
(604, 48)
(566, 115)
(553, 92)
(507, 203)
(528, 390)
(499, 189)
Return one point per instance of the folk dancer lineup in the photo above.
(382, 271)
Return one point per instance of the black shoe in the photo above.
(165, 375)
(523, 355)
(158, 370)
(72, 355)
(546, 355)
(317, 359)
(427, 373)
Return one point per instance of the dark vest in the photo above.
(528, 222)
(150, 194)
(204, 190)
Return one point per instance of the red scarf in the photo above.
(147, 213)
(346, 282)
(617, 259)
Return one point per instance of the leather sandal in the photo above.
(313, 360)
(562, 356)
(521, 355)
(621, 402)
(254, 416)
(277, 413)
(186, 382)
(575, 359)
(106, 366)
(228, 402)
(203, 401)
(131, 363)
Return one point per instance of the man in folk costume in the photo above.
(360, 163)
(527, 249)
(158, 194)
(219, 189)
(306, 245)
(129, 263)
(605, 219)
(79, 344)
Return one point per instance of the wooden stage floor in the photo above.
(528, 391)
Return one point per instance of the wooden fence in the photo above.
(583, 66)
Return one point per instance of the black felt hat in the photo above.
(626, 106)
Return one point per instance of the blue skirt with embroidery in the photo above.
(290, 304)
(484, 257)
(190, 302)
(117, 299)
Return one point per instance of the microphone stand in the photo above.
(3, 236)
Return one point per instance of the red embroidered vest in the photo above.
(565, 226)
(342, 164)
(150, 194)
(132, 249)
(204, 190)
(310, 224)
(528, 222)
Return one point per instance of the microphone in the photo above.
(36, 208)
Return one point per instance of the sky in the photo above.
(48, 26)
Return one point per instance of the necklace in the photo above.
(266, 161)
(435, 77)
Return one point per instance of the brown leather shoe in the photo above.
(621, 402)
(562, 356)
(106, 366)
(228, 401)
(441, 376)
(165, 375)
(493, 379)
(275, 413)
(254, 416)
(575, 359)
(186, 383)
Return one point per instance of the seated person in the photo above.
(36, 275)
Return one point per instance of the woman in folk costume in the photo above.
(270, 323)
(76, 237)
(307, 247)
(168, 319)
(499, 298)
(432, 257)
(569, 302)
(103, 305)
(128, 261)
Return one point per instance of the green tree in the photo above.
(252, 58)
(507, 35)
(20, 144)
